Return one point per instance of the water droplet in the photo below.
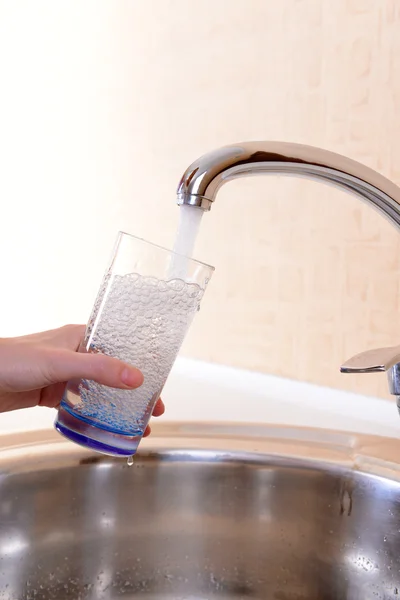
(130, 461)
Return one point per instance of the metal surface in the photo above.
(202, 180)
(374, 361)
(206, 511)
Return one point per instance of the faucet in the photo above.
(201, 181)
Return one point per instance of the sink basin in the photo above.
(206, 511)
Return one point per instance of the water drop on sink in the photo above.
(130, 461)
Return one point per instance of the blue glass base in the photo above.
(104, 441)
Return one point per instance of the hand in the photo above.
(34, 369)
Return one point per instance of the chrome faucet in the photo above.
(202, 180)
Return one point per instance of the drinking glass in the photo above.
(145, 305)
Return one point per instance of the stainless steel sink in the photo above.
(206, 511)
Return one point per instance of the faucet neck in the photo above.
(202, 180)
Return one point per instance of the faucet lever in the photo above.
(372, 361)
(375, 361)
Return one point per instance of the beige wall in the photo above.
(104, 104)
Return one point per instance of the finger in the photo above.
(147, 431)
(68, 337)
(159, 408)
(51, 395)
(71, 336)
(64, 365)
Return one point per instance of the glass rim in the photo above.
(159, 247)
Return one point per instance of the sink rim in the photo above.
(319, 448)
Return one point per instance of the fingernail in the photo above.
(131, 377)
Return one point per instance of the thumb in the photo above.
(64, 365)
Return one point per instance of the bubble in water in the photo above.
(143, 322)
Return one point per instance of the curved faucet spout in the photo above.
(202, 180)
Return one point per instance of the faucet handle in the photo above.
(375, 361)
(372, 361)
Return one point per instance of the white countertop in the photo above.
(198, 391)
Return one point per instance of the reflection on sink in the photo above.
(205, 512)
